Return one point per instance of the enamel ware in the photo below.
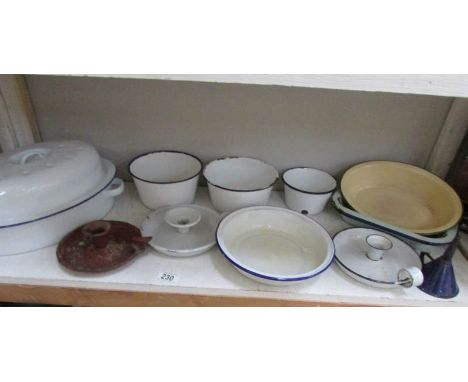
(183, 218)
(235, 183)
(355, 218)
(274, 245)
(54, 194)
(307, 190)
(439, 275)
(181, 231)
(402, 195)
(377, 244)
(165, 177)
(44, 176)
(378, 259)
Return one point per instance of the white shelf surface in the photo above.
(210, 274)
(450, 85)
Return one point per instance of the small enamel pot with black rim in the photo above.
(166, 177)
(307, 190)
(235, 183)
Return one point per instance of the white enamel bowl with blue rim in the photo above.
(274, 245)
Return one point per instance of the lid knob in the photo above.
(26, 156)
(378, 244)
(182, 218)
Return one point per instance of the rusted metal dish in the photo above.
(101, 246)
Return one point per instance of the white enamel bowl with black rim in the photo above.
(166, 177)
(274, 245)
(307, 190)
(235, 183)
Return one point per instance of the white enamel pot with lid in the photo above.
(307, 190)
(45, 176)
(166, 177)
(48, 189)
(238, 182)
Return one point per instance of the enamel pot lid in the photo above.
(377, 258)
(44, 177)
(181, 231)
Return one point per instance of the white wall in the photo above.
(287, 127)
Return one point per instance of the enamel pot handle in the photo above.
(410, 277)
(423, 256)
(115, 188)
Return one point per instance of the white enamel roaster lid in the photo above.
(45, 177)
(396, 264)
(182, 230)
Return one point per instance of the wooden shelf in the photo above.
(449, 85)
(207, 279)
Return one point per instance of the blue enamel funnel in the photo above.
(439, 278)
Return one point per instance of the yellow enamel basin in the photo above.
(403, 195)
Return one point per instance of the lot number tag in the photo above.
(167, 277)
